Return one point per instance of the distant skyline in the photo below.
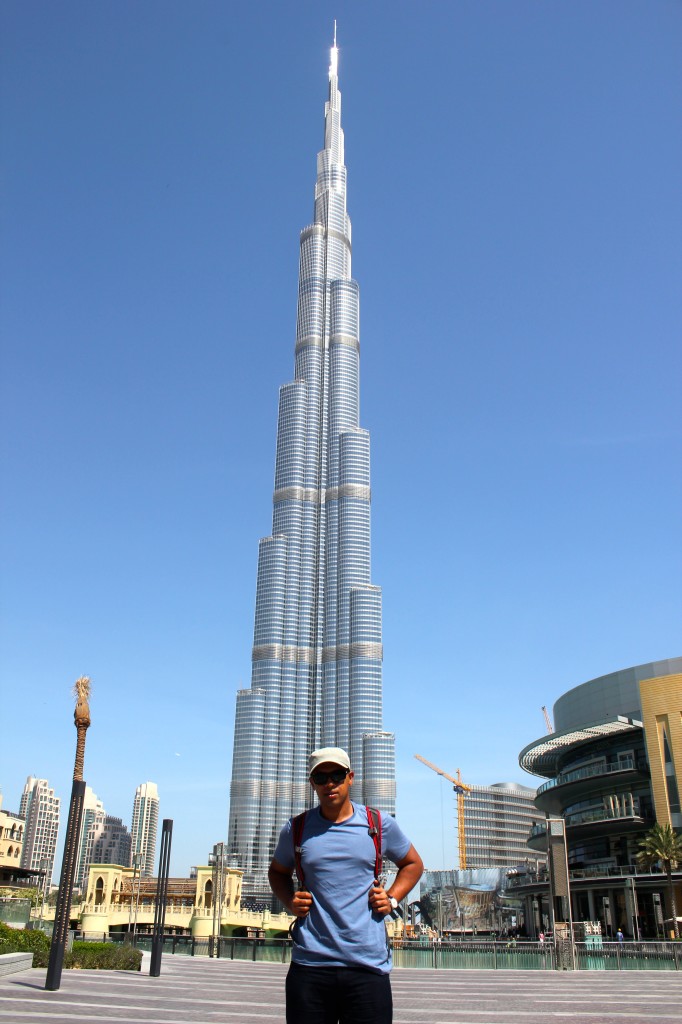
(520, 262)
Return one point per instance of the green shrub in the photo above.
(103, 956)
(19, 940)
(90, 956)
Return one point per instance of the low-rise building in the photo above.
(11, 838)
(612, 767)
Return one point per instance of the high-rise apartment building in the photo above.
(497, 823)
(144, 826)
(93, 818)
(112, 843)
(40, 809)
(317, 651)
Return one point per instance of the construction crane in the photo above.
(461, 789)
(548, 720)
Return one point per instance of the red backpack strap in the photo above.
(297, 825)
(374, 823)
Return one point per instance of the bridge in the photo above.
(117, 899)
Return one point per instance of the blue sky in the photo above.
(514, 191)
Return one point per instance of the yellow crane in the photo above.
(460, 789)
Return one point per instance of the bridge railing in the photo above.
(629, 956)
(451, 955)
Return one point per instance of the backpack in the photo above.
(373, 828)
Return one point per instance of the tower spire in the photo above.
(334, 60)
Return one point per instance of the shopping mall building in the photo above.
(613, 767)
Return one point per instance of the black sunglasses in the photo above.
(322, 778)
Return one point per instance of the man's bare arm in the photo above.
(297, 902)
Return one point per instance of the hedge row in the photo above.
(97, 956)
(91, 956)
(18, 940)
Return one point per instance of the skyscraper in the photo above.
(40, 808)
(144, 827)
(317, 650)
(93, 819)
(112, 843)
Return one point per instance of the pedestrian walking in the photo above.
(341, 958)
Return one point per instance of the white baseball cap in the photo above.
(328, 755)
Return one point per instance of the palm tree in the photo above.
(663, 844)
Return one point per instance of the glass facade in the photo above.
(317, 650)
(93, 818)
(497, 820)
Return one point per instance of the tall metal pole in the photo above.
(161, 897)
(44, 864)
(635, 922)
(81, 718)
(63, 909)
(137, 895)
(217, 859)
(136, 864)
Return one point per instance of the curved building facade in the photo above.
(612, 767)
(317, 653)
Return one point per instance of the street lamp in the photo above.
(137, 863)
(217, 862)
(139, 858)
(635, 922)
(44, 865)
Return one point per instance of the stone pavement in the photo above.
(202, 991)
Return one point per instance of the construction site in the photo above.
(492, 826)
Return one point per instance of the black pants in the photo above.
(338, 995)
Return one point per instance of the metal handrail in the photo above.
(627, 764)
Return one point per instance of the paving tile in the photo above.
(202, 991)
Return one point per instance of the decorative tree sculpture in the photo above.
(662, 843)
(81, 717)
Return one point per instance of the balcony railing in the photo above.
(588, 871)
(602, 814)
(589, 772)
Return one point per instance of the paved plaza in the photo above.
(203, 991)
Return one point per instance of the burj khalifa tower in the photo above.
(317, 647)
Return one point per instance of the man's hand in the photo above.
(379, 900)
(301, 902)
(410, 870)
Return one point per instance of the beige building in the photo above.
(11, 840)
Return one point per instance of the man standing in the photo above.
(341, 959)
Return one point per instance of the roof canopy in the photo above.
(542, 756)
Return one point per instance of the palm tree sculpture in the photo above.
(81, 718)
(62, 915)
(664, 844)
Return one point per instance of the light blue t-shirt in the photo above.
(338, 861)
